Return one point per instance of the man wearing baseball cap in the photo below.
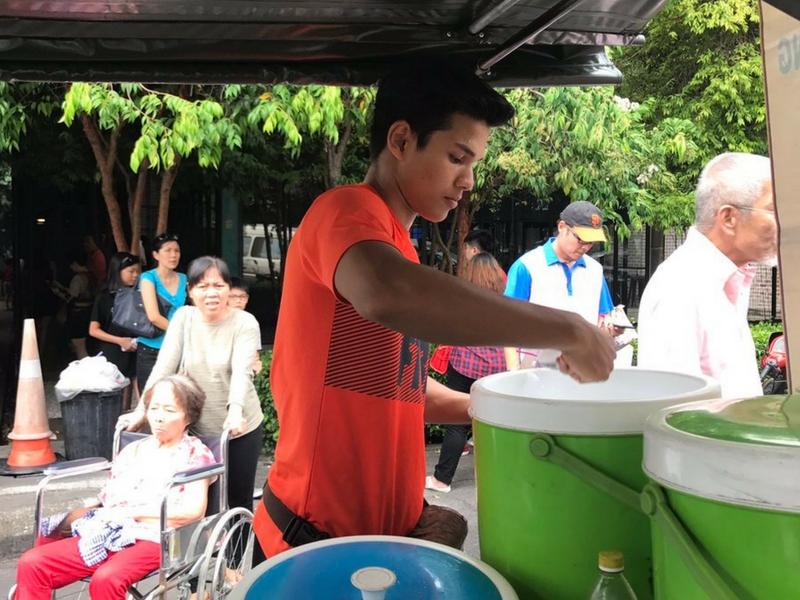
(558, 274)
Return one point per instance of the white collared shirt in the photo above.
(693, 318)
(540, 277)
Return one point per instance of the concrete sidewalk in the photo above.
(17, 499)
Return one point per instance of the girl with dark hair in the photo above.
(214, 344)
(78, 297)
(467, 364)
(115, 344)
(166, 284)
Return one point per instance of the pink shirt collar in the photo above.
(734, 281)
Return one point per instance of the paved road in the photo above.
(17, 499)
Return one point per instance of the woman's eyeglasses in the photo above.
(167, 237)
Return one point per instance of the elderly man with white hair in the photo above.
(693, 313)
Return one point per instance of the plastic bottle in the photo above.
(612, 585)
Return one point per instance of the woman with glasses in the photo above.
(159, 286)
(115, 344)
(214, 344)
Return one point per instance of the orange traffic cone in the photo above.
(30, 446)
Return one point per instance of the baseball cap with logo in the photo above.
(586, 220)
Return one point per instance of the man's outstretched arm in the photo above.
(385, 287)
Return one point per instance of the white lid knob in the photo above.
(373, 582)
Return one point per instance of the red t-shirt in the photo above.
(97, 267)
(349, 393)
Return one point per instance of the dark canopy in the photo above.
(346, 42)
(790, 7)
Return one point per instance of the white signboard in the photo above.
(780, 42)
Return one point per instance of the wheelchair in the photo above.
(201, 554)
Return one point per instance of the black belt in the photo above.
(296, 530)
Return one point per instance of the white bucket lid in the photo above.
(719, 460)
(547, 401)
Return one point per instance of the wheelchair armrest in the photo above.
(78, 466)
(198, 473)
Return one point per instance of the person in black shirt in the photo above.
(115, 344)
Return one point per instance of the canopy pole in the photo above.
(529, 33)
(490, 15)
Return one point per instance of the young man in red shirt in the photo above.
(349, 371)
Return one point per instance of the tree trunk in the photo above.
(135, 206)
(128, 176)
(463, 220)
(447, 258)
(424, 240)
(167, 179)
(655, 251)
(443, 266)
(433, 231)
(106, 158)
(273, 277)
(335, 156)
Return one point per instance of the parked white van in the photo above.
(254, 251)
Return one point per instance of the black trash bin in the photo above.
(89, 420)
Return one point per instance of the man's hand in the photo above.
(512, 359)
(592, 357)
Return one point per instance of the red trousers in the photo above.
(54, 565)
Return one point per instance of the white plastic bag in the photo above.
(90, 374)
(620, 320)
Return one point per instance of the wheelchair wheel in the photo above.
(229, 554)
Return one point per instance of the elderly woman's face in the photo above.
(210, 295)
(166, 414)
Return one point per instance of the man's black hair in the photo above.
(237, 283)
(482, 239)
(427, 95)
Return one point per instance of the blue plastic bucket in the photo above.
(423, 570)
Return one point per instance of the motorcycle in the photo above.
(773, 365)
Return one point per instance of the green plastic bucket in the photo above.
(725, 499)
(558, 470)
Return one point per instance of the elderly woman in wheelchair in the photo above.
(118, 542)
